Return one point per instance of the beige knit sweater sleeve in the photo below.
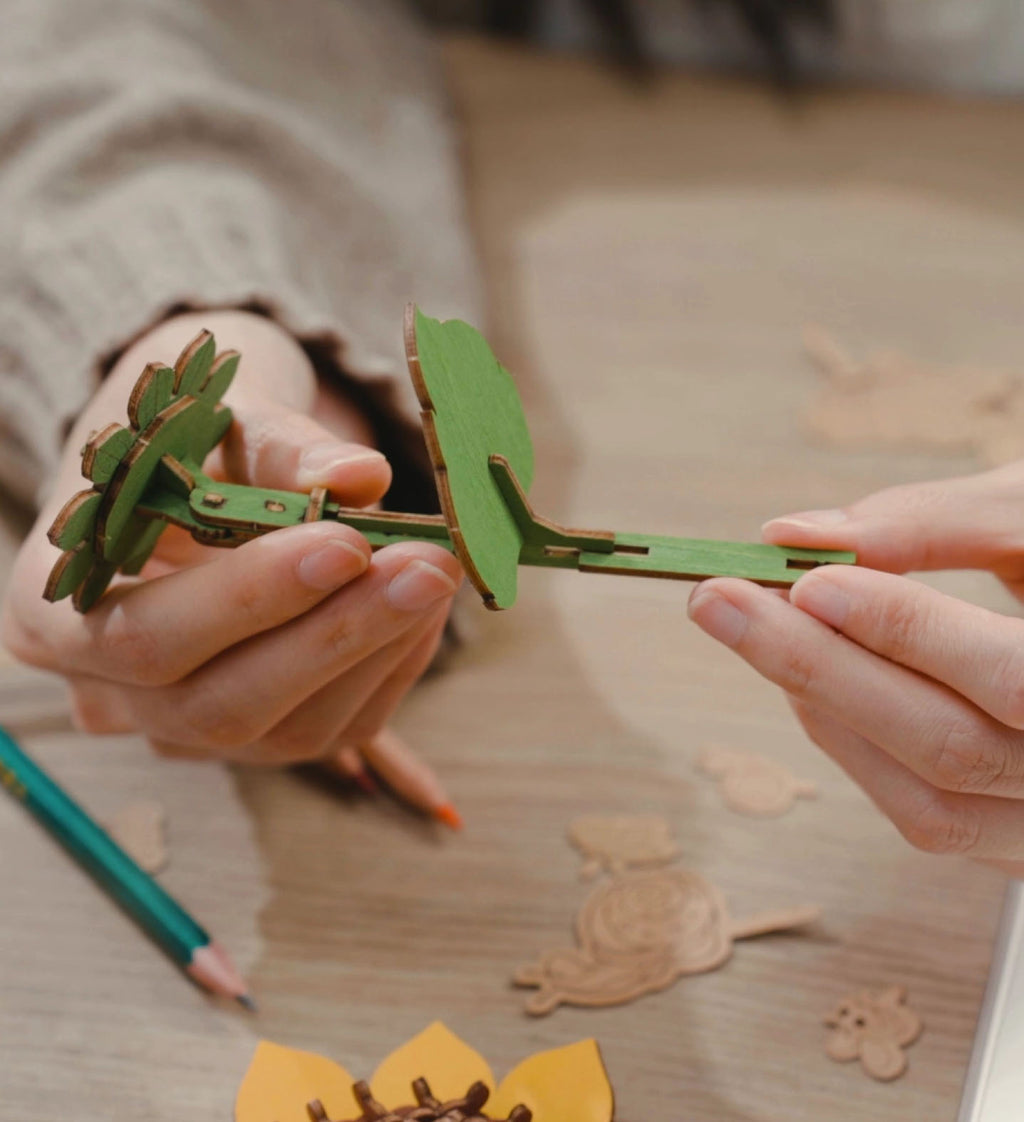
(213, 152)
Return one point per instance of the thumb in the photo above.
(272, 446)
(971, 522)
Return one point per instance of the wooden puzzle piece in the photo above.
(640, 931)
(615, 842)
(140, 830)
(754, 785)
(873, 1026)
(891, 399)
(149, 474)
(567, 1084)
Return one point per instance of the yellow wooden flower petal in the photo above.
(280, 1081)
(567, 1084)
(447, 1063)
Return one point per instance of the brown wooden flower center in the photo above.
(428, 1108)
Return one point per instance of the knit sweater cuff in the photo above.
(68, 302)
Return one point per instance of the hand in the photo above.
(288, 648)
(917, 695)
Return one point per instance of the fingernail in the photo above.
(809, 519)
(820, 598)
(331, 565)
(319, 461)
(417, 586)
(718, 617)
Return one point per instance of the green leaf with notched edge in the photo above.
(153, 391)
(70, 570)
(219, 378)
(104, 452)
(197, 369)
(76, 521)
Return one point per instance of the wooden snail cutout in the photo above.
(149, 474)
(640, 931)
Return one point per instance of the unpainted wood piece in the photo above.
(752, 784)
(639, 932)
(140, 829)
(890, 399)
(615, 842)
(874, 1026)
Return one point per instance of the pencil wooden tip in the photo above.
(449, 816)
(247, 1002)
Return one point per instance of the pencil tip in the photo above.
(449, 816)
(247, 1002)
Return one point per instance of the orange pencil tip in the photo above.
(365, 781)
(449, 816)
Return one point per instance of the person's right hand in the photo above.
(287, 648)
(917, 695)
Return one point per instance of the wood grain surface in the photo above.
(652, 257)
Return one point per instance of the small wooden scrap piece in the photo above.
(873, 1026)
(615, 842)
(890, 399)
(140, 830)
(754, 785)
(638, 933)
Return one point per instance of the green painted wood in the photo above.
(474, 409)
(76, 521)
(104, 452)
(220, 377)
(70, 571)
(196, 367)
(153, 392)
(694, 559)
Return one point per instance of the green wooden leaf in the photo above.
(472, 406)
(104, 451)
(76, 521)
(70, 570)
(221, 374)
(143, 546)
(193, 367)
(153, 391)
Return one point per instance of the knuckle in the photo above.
(968, 758)
(1010, 705)
(937, 826)
(901, 621)
(798, 672)
(204, 719)
(136, 649)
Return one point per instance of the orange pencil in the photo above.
(409, 777)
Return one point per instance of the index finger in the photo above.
(155, 632)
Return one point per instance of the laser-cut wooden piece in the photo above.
(567, 1084)
(638, 933)
(615, 842)
(752, 784)
(150, 474)
(874, 1026)
(140, 829)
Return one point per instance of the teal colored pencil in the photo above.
(161, 917)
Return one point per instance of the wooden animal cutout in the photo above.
(754, 785)
(873, 1026)
(640, 931)
(150, 473)
(615, 842)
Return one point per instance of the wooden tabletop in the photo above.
(652, 256)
